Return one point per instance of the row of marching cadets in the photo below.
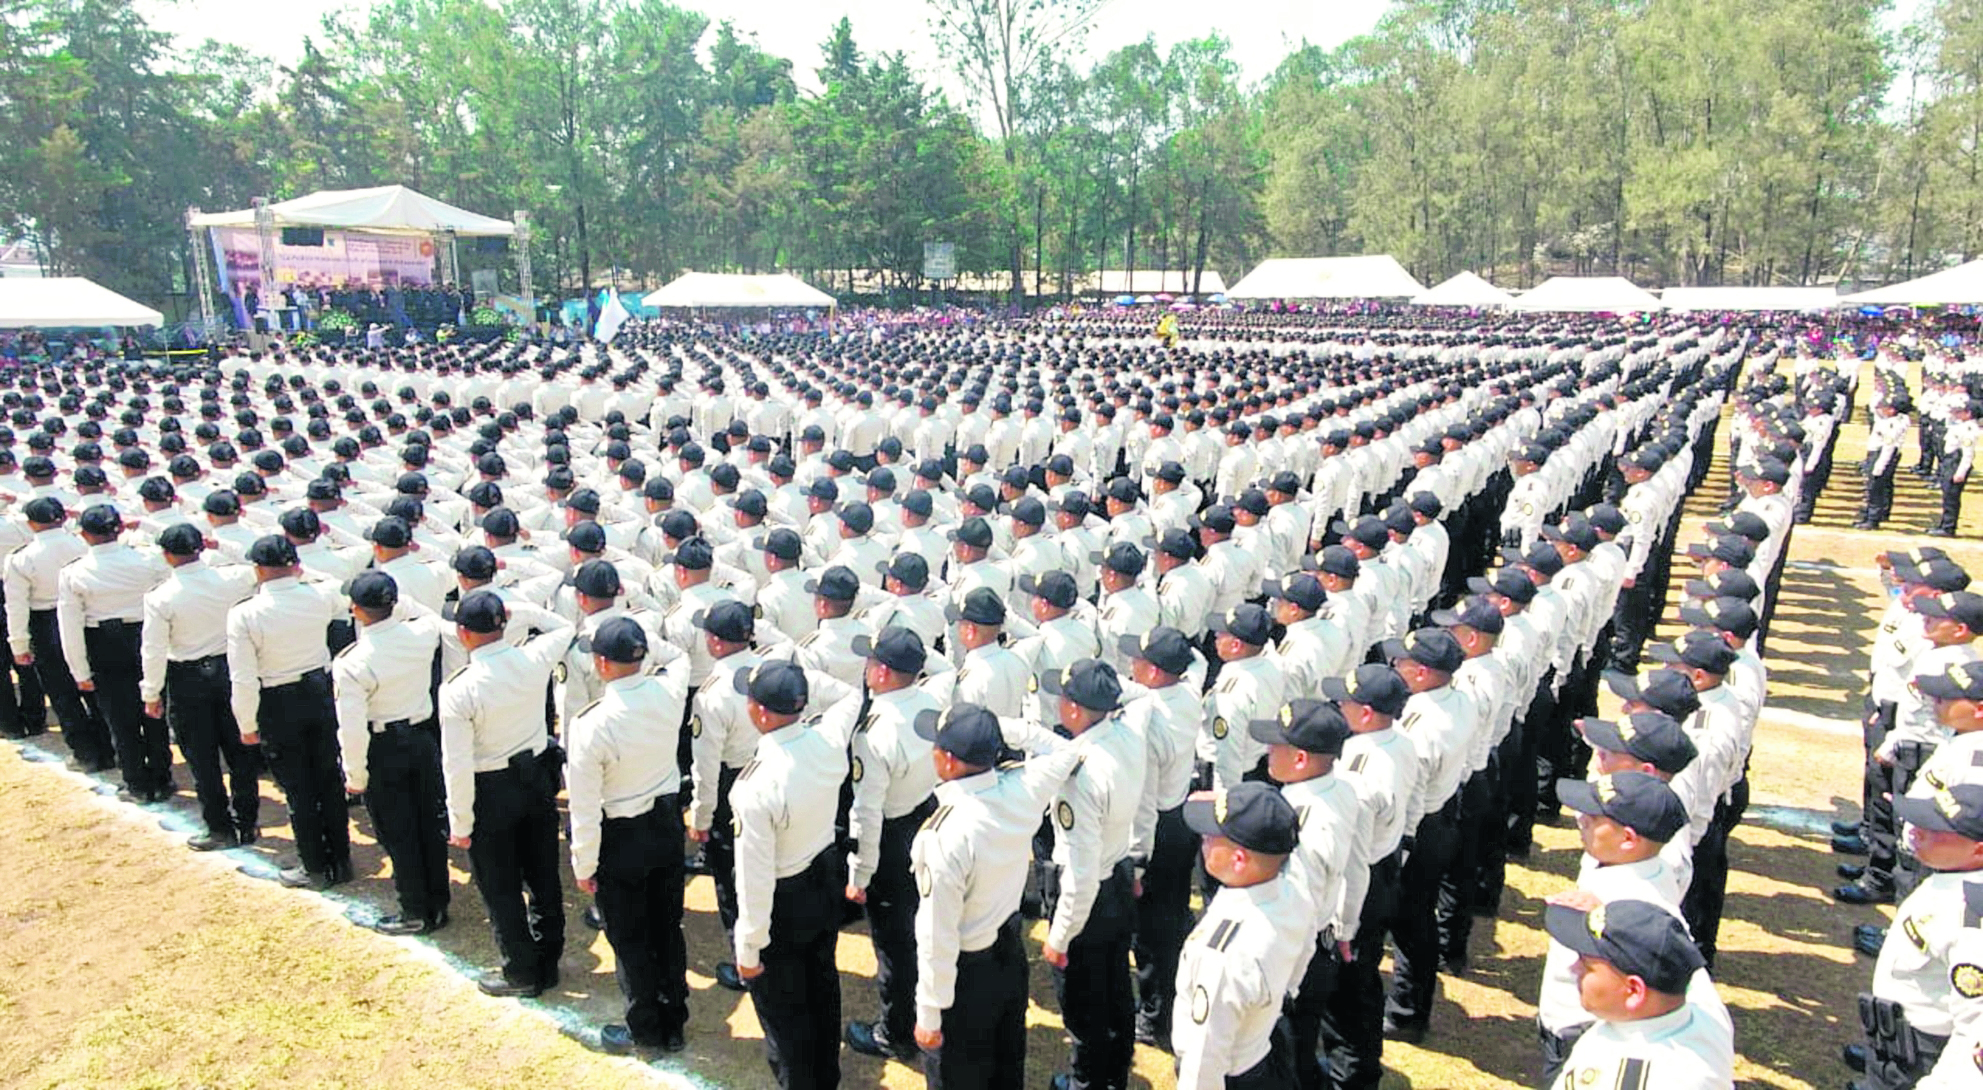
(1326, 680)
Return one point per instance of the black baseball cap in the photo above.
(273, 551)
(1665, 689)
(837, 583)
(391, 532)
(964, 730)
(1960, 606)
(779, 685)
(1731, 615)
(981, 606)
(781, 543)
(481, 611)
(910, 568)
(1124, 559)
(974, 531)
(1727, 583)
(1637, 800)
(1507, 583)
(1247, 623)
(1091, 683)
(1164, 647)
(1963, 681)
(1696, 650)
(1637, 938)
(100, 520)
(1730, 549)
(1374, 685)
(730, 620)
(597, 578)
(1340, 562)
(475, 562)
(182, 539)
(1317, 726)
(1251, 815)
(1433, 648)
(1057, 587)
(1653, 737)
(1303, 590)
(620, 640)
(1939, 573)
(896, 647)
(1475, 612)
(374, 590)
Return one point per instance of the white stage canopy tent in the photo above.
(1370, 276)
(1750, 299)
(1153, 282)
(1962, 284)
(694, 289)
(1463, 289)
(385, 209)
(58, 302)
(1588, 294)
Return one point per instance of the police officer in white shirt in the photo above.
(893, 780)
(1241, 960)
(905, 579)
(278, 666)
(1168, 715)
(184, 651)
(989, 675)
(1303, 743)
(829, 649)
(969, 861)
(1635, 965)
(390, 740)
(100, 601)
(1250, 687)
(34, 634)
(501, 771)
(789, 877)
(626, 833)
(721, 742)
(1094, 913)
(783, 604)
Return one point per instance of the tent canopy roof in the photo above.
(1464, 289)
(60, 301)
(694, 289)
(1151, 282)
(1370, 276)
(1739, 298)
(1613, 294)
(387, 209)
(1962, 284)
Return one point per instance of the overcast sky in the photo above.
(794, 28)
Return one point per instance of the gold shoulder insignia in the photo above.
(1220, 728)
(695, 726)
(1064, 813)
(1967, 979)
(587, 708)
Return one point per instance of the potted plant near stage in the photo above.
(337, 325)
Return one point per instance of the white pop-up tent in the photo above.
(1749, 299)
(384, 209)
(1962, 284)
(1369, 276)
(60, 302)
(1588, 294)
(694, 289)
(1463, 289)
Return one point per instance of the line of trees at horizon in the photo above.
(1671, 141)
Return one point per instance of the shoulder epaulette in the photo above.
(588, 707)
(458, 672)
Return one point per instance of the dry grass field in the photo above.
(127, 962)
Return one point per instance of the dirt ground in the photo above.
(127, 962)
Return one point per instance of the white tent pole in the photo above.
(202, 274)
(522, 243)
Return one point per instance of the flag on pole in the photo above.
(611, 318)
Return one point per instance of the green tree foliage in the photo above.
(1674, 141)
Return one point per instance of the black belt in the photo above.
(1008, 933)
(308, 676)
(396, 724)
(115, 624)
(204, 662)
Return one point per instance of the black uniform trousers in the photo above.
(984, 1031)
(1479, 822)
(1523, 786)
(719, 852)
(514, 853)
(1095, 992)
(200, 713)
(22, 712)
(143, 753)
(1415, 928)
(641, 870)
(1878, 503)
(82, 728)
(1707, 893)
(1951, 490)
(797, 997)
(891, 908)
(298, 725)
(1163, 919)
(1306, 1011)
(408, 800)
(1353, 1026)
